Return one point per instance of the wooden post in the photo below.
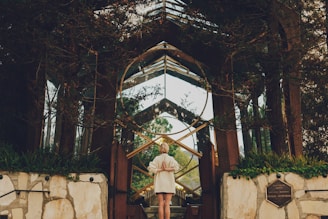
(209, 206)
(207, 176)
(225, 131)
(118, 183)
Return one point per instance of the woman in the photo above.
(164, 166)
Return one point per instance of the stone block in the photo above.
(242, 198)
(17, 213)
(269, 211)
(58, 187)
(6, 191)
(60, 208)
(314, 207)
(86, 199)
(34, 204)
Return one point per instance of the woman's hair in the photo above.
(164, 148)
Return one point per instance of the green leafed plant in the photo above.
(45, 161)
(257, 164)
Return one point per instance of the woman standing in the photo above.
(164, 166)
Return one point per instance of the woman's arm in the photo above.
(152, 168)
(168, 168)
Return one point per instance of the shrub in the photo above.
(45, 161)
(256, 164)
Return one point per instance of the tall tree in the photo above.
(314, 85)
(22, 74)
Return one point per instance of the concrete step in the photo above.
(177, 212)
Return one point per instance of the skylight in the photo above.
(172, 10)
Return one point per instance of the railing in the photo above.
(177, 212)
(148, 193)
(18, 191)
(316, 190)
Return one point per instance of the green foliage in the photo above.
(44, 161)
(140, 180)
(256, 164)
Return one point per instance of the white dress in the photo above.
(164, 181)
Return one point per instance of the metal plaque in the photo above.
(279, 193)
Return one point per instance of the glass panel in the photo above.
(188, 176)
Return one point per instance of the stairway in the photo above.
(177, 212)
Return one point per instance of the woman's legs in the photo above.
(167, 203)
(160, 198)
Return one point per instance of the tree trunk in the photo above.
(327, 23)
(273, 87)
(88, 118)
(257, 124)
(35, 108)
(66, 121)
(21, 111)
(59, 115)
(69, 120)
(103, 134)
(245, 131)
(290, 22)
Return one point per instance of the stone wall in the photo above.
(247, 199)
(34, 196)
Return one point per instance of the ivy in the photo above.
(257, 164)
